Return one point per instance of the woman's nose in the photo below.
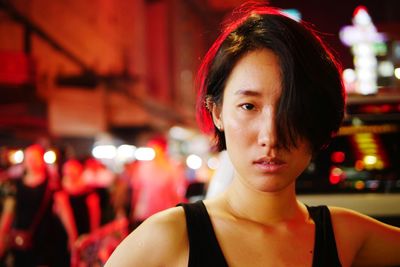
(267, 136)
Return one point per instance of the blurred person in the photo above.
(157, 184)
(77, 205)
(222, 177)
(96, 174)
(27, 221)
(121, 196)
(271, 92)
(101, 179)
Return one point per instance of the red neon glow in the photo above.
(359, 9)
(334, 178)
(336, 175)
(386, 108)
(338, 157)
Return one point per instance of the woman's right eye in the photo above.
(247, 106)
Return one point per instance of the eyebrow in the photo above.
(247, 92)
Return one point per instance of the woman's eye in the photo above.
(247, 106)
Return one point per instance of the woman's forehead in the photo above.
(257, 73)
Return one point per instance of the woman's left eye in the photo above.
(247, 106)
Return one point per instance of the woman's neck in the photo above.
(266, 208)
(33, 178)
(74, 187)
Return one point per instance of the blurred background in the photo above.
(103, 79)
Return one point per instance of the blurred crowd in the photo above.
(47, 215)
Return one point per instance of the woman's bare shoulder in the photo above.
(159, 240)
(346, 216)
(362, 239)
(359, 222)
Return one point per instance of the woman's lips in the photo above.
(269, 165)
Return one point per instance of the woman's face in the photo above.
(72, 171)
(247, 118)
(34, 160)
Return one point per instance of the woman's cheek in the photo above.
(237, 130)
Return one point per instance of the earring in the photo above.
(208, 103)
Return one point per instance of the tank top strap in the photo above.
(325, 250)
(204, 249)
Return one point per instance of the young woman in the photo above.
(272, 93)
(27, 224)
(77, 205)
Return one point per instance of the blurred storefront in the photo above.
(72, 70)
(361, 167)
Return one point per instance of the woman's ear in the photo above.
(216, 112)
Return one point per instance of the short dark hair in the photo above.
(312, 102)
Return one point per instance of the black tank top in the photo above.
(204, 249)
(29, 199)
(81, 212)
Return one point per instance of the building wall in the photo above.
(148, 40)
